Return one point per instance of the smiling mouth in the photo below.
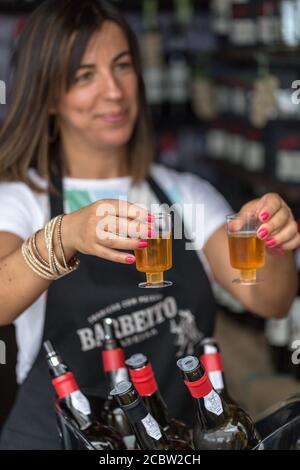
(113, 118)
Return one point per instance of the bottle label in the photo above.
(80, 402)
(121, 374)
(213, 403)
(130, 442)
(216, 379)
(152, 427)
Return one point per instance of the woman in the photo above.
(78, 119)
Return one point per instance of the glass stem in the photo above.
(155, 278)
(248, 275)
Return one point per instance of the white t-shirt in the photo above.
(23, 212)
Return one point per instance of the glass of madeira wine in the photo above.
(246, 250)
(157, 257)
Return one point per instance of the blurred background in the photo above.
(221, 78)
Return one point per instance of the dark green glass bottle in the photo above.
(149, 435)
(77, 406)
(217, 426)
(113, 359)
(143, 378)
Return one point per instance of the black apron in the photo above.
(164, 324)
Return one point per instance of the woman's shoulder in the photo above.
(16, 186)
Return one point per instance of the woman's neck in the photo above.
(86, 162)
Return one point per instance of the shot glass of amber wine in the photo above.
(157, 257)
(247, 251)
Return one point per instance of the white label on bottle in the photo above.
(278, 332)
(216, 380)
(255, 160)
(152, 427)
(80, 402)
(179, 82)
(121, 374)
(213, 403)
(215, 143)
(154, 81)
(284, 103)
(129, 442)
(288, 165)
(237, 149)
(243, 32)
(268, 27)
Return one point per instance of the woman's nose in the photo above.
(111, 88)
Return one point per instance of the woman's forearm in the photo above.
(20, 287)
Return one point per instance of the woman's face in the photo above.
(102, 104)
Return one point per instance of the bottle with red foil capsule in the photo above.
(149, 434)
(217, 426)
(143, 378)
(113, 358)
(211, 358)
(77, 406)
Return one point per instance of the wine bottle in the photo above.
(113, 358)
(179, 63)
(77, 406)
(143, 379)
(211, 359)
(217, 426)
(153, 58)
(149, 435)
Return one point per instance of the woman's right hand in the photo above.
(106, 227)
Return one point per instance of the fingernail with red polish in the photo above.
(143, 244)
(264, 216)
(130, 259)
(263, 232)
(271, 243)
(150, 218)
(151, 233)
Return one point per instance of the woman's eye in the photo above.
(83, 77)
(123, 65)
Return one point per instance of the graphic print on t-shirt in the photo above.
(76, 199)
(142, 322)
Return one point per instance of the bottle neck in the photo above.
(148, 432)
(56, 366)
(146, 386)
(73, 400)
(213, 365)
(158, 408)
(211, 409)
(114, 366)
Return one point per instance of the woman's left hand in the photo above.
(278, 228)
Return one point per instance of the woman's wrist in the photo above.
(67, 233)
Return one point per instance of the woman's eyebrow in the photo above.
(121, 55)
(86, 66)
(115, 59)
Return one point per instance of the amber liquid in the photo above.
(246, 251)
(156, 258)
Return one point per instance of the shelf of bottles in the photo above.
(219, 77)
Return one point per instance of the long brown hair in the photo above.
(49, 52)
